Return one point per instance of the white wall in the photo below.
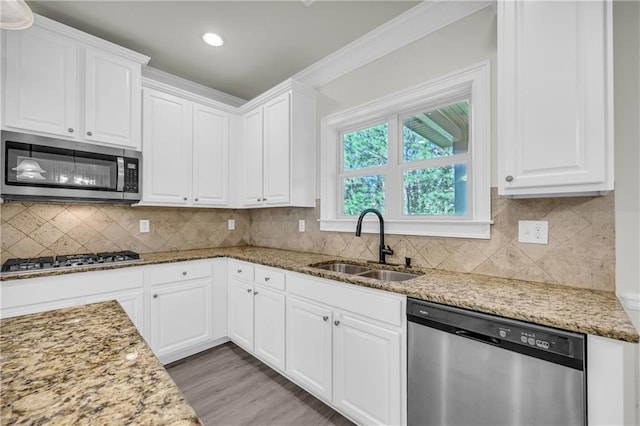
(463, 43)
(626, 17)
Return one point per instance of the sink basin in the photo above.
(384, 275)
(345, 268)
(368, 272)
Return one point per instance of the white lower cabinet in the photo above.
(309, 350)
(184, 297)
(366, 370)
(257, 311)
(180, 316)
(346, 345)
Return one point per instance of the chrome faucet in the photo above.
(383, 250)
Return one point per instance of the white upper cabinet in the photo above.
(166, 149)
(210, 156)
(278, 148)
(555, 110)
(185, 151)
(112, 99)
(62, 82)
(40, 82)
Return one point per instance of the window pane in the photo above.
(361, 193)
(365, 148)
(436, 191)
(437, 133)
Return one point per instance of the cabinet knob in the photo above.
(184, 273)
(70, 130)
(336, 323)
(249, 290)
(325, 318)
(255, 293)
(264, 199)
(239, 271)
(155, 296)
(185, 198)
(266, 279)
(196, 200)
(89, 133)
(509, 178)
(259, 199)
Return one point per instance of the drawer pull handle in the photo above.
(325, 318)
(155, 296)
(336, 323)
(255, 293)
(266, 279)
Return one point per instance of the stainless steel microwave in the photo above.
(38, 168)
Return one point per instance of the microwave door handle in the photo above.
(120, 184)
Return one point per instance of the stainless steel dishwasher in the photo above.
(469, 368)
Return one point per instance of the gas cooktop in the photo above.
(69, 261)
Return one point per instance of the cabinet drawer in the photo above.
(374, 304)
(180, 271)
(270, 278)
(243, 271)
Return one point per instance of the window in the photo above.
(421, 157)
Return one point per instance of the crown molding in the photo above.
(151, 75)
(88, 39)
(417, 22)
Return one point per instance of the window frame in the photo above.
(471, 83)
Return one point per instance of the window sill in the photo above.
(431, 228)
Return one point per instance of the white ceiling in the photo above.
(266, 42)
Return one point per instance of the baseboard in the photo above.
(178, 355)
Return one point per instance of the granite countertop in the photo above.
(574, 309)
(84, 365)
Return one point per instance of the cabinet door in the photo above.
(269, 327)
(112, 100)
(166, 148)
(210, 156)
(180, 316)
(277, 150)
(241, 300)
(367, 375)
(309, 346)
(41, 82)
(252, 158)
(554, 97)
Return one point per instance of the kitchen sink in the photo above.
(366, 272)
(345, 268)
(384, 275)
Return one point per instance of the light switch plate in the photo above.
(231, 224)
(301, 225)
(533, 231)
(144, 225)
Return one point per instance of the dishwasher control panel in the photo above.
(496, 330)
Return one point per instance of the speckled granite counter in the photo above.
(84, 365)
(585, 311)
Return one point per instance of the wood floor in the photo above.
(227, 386)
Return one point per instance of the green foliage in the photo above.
(366, 148)
(429, 191)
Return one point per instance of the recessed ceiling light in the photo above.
(213, 39)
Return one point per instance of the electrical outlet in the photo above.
(144, 225)
(301, 225)
(231, 224)
(533, 232)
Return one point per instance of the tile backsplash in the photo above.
(580, 253)
(40, 229)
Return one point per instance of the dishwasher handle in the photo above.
(478, 337)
